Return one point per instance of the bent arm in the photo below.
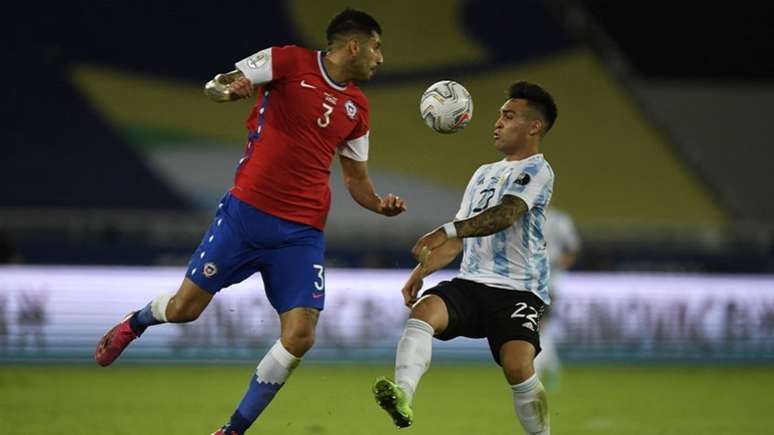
(492, 220)
(439, 257)
(488, 222)
(429, 262)
(359, 183)
(361, 188)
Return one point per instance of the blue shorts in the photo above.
(243, 240)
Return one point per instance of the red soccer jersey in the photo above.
(300, 120)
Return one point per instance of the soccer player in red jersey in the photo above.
(271, 221)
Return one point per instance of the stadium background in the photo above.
(113, 162)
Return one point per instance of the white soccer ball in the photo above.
(446, 106)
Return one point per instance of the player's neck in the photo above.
(523, 153)
(335, 67)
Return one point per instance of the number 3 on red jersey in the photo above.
(326, 117)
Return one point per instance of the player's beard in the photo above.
(361, 70)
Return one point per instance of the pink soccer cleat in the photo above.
(225, 431)
(114, 342)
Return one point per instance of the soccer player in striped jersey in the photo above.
(564, 245)
(502, 287)
(271, 221)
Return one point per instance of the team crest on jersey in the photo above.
(351, 109)
(523, 179)
(257, 60)
(209, 270)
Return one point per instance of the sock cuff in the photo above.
(526, 386)
(419, 325)
(283, 356)
(159, 306)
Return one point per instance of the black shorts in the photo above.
(480, 311)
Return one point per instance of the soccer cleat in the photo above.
(393, 399)
(225, 430)
(114, 342)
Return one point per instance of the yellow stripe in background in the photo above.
(612, 166)
(135, 100)
(416, 34)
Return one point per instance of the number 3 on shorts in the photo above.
(321, 276)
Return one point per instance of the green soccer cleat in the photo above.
(393, 399)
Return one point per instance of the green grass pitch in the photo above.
(336, 399)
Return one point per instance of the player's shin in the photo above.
(531, 405)
(414, 353)
(271, 374)
(152, 314)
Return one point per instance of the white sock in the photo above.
(159, 306)
(277, 365)
(529, 401)
(415, 349)
(271, 374)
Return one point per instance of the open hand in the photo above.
(411, 288)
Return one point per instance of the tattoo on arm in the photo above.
(494, 219)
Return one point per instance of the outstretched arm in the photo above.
(230, 86)
(362, 189)
(488, 222)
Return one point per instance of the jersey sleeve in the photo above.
(534, 185)
(269, 64)
(355, 146)
(355, 149)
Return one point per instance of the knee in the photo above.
(431, 310)
(518, 370)
(298, 341)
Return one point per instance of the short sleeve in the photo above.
(534, 184)
(269, 64)
(355, 146)
(355, 149)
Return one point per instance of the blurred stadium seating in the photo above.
(133, 157)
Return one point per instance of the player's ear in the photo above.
(535, 127)
(353, 46)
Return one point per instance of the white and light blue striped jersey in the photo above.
(515, 258)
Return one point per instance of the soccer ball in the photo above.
(446, 107)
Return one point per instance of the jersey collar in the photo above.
(533, 156)
(325, 75)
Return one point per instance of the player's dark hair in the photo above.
(537, 98)
(351, 21)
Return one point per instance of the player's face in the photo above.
(368, 57)
(514, 127)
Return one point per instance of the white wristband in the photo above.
(450, 229)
